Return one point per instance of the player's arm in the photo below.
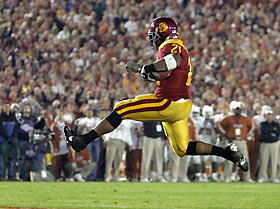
(167, 63)
(251, 127)
(222, 127)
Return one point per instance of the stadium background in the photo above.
(68, 49)
(73, 53)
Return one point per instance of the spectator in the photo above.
(60, 149)
(8, 142)
(269, 147)
(85, 124)
(259, 117)
(15, 108)
(68, 115)
(116, 142)
(152, 144)
(134, 156)
(211, 51)
(80, 165)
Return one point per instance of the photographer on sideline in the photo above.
(27, 122)
(40, 140)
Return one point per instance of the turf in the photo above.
(139, 195)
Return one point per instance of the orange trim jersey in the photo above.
(177, 85)
(236, 128)
(192, 133)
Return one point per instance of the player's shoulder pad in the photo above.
(172, 41)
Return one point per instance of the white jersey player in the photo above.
(198, 124)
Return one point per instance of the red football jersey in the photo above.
(177, 85)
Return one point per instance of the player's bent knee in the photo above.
(179, 152)
(191, 148)
(183, 149)
(180, 149)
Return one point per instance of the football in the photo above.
(160, 75)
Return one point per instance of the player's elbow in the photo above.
(172, 61)
(178, 58)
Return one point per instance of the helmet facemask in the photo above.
(153, 38)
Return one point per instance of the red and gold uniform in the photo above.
(177, 85)
(171, 102)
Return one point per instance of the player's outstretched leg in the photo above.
(75, 141)
(230, 152)
(233, 154)
(79, 142)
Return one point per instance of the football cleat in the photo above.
(234, 154)
(76, 142)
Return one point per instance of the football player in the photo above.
(236, 128)
(170, 104)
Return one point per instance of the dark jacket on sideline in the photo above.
(151, 130)
(269, 132)
(8, 126)
(27, 124)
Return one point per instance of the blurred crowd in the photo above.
(33, 148)
(65, 57)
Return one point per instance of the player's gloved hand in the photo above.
(133, 67)
(145, 75)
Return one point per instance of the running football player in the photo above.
(170, 104)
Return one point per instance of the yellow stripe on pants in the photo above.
(174, 115)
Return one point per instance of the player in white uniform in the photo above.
(198, 124)
(208, 133)
(257, 119)
(221, 112)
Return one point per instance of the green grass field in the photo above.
(139, 195)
